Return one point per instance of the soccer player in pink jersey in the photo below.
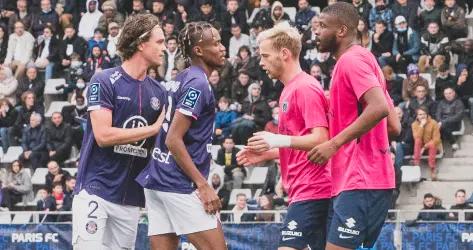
(302, 125)
(361, 114)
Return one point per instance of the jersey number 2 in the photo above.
(94, 206)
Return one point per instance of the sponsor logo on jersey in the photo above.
(115, 76)
(136, 148)
(94, 90)
(191, 98)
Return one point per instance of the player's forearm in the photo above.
(394, 125)
(309, 141)
(118, 136)
(271, 154)
(178, 149)
(369, 118)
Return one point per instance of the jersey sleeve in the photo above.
(193, 98)
(313, 106)
(100, 94)
(360, 75)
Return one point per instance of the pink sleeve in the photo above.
(360, 75)
(313, 106)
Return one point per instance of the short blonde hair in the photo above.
(283, 36)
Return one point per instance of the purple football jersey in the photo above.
(191, 95)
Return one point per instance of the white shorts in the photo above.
(176, 213)
(100, 224)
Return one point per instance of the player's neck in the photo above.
(205, 67)
(135, 67)
(291, 70)
(344, 46)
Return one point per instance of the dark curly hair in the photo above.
(136, 30)
(190, 35)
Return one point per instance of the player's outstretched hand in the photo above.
(159, 122)
(246, 157)
(321, 153)
(209, 198)
(264, 141)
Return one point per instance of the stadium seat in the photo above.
(236, 191)
(56, 106)
(316, 9)
(410, 174)
(461, 131)
(257, 176)
(258, 193)
(438, 156)
(39, 176)
(51, 84)
(5, 218)
(1, 154)
(253, 14)
(22, 218)
(72, 171)
(12, 154)
(291, 12)
(214, 151)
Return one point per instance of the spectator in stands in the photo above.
(90, 20)
(138, 8)
(272, 126)
(263, 17)
(3, 43)
(464, 86)
(97, 62)
(365, 36)
(277, 13)
(460, 204)
(96, 40)
(169, 29)
(453, 20)
(21, 14)
(431, 13)
(184, 13)
(364, 8)
(31, 82)
(432, 44)
(464, 50)
(421, 98)
(68, 194)
(47, 17)
(426, 133)
(431, 203)
(33, 143)
(233, 15)
(406, 46)
(73, 77)
(407, 9)
(220, 87)
(219, 188)
(240, 87)
(72, 12)
(28, 106)
(8, 116)
(72, 44)
(159, 9)
(20, 49)
(75, 116)
(172, 59)
(265, 202)
(59, 136)
(55, 174)
(224, 119)
(110, 15)
(48, 53)
(316, 72)
(237, 40)
(412, 81)
(393, 84)
(444, 80)
(382, 43)
(244, 61)
(226, 157)
(404, 144)
(16, 187)
(450, 115)
(58, 194)
(46, 203)
(304, 15)
(240, 210)
(309, 49)
(8, 85)
(112, 41)
(206, 11)
(381, 13)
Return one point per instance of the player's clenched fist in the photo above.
(209, 198)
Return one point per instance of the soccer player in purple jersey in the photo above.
(124, 108)
(178, 197)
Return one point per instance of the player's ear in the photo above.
(198, 51)
(285, 53)
(140, 47)
(342, 32)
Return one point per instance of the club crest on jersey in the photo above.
(155, 103)
(91, 227)
(191, 98)
(285, 106)
(133, 149)
(94, 92)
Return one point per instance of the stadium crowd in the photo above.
(422, 47)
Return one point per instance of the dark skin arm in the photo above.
(175, 143)
(376, 109)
